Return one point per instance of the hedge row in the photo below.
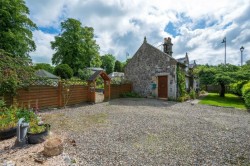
(236, 88)
(246, 94)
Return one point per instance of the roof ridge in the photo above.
(160, 51)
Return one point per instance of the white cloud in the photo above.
(43, 53)
(121, 25)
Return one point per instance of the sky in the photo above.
(195, 26)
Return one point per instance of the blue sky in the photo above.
(195, 26)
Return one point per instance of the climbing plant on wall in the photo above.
(181, 82)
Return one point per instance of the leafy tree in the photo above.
(118, 66)
(243, 73)
(15, 72)
(44, 66)
(225, 74)
(108, 63)
(218, 75)
(248, 62)
(206, 74)
(16, 28)
(64, 71)
(125, 63)
(84, 74)
(75, 46)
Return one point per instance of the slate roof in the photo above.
(116, 74)
(95, 68)
(45, 74)
(160, 52)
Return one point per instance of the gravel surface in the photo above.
(143, 132)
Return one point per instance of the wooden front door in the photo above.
(163, 86)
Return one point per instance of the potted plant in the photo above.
(8, 122)
(37, 133)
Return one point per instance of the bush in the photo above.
(236, 88)
(10, 116)
(130, 94)
(246, 94)
(203, 92)
(183, 98)
(2, 103)
(247, 99)
(64, 71)
(192, 94)
(26, 114)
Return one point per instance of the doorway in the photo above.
(162, 86)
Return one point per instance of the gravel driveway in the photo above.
(153, 132)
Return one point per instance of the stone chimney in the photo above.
(167, 45)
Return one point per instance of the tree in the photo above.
(218, 75)
(75, 46)
(248, 62)
(64, 71)
(16, 28)
(84, 74)
(225, 74)
(108, 63)
(118, 66)
(44, 66)
(15, 72)
(206, 74)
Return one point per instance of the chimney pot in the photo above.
(168, 46)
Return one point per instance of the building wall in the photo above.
(144, 68)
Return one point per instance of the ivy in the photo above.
(181, 82)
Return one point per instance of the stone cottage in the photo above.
(153, 72)
(191, 80)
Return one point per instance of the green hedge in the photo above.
(246, 94)
(236, 88)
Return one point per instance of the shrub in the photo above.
(64, 71)
(9, 117)
(246, 88)
(2, 103)
(247, 99)
(183, 98)
(192, 94)
(130, 94)
(27, 115)
(246, 94)
(203, 92)
(236, 88)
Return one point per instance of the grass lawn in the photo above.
(230, 100)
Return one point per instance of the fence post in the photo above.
(59, 96)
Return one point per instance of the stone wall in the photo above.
(144, 68)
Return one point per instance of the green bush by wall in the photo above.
(246, 94)
(236, 88)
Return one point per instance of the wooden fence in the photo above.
(44, 96)
(117, 90)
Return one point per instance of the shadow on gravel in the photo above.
(142, 102)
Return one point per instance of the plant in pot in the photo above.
(8, 122)
(37, 133)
